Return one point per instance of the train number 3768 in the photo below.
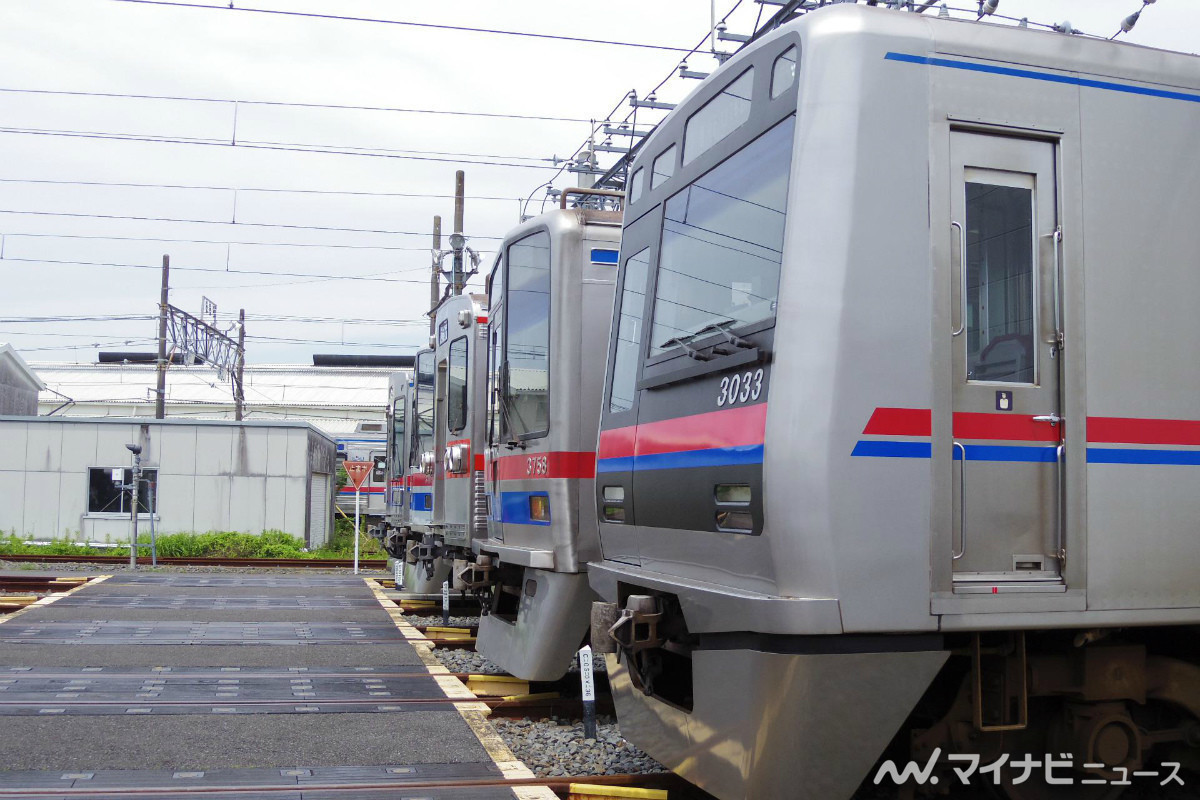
(537, 466)
(740, 388)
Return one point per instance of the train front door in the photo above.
(1007, 445)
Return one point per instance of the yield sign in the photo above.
(358, 471)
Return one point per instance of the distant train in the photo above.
(367, 443)
(899, 453)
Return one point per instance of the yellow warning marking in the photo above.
(590, 791)
(496, 685)
(50, 598)
(448, 633)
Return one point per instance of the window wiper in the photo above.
(502, 402)
(720, 326)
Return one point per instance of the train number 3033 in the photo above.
(740, 388)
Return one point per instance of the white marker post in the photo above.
(357, 472)
(445, 602)
(588, 681)
(398, 565)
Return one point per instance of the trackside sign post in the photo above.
(357, 471)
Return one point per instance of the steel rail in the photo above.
(199, 561)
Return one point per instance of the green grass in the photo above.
(214, 544)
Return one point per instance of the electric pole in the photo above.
(434, 290)
(239, 370)
(457, 240)
(160, 398)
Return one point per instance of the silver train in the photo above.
(550, 300)
(436, 505)
(899, 455)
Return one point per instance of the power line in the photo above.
(405, 23)
(158, 268)
(285, 104)
(281, 147)
(351, 193)
(223, 222)
(208, 241)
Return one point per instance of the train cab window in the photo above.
(663, 167)
(423, 435)
(495, 349)
(783, 74)
(456, 411)
(1000, 246)
(379, 471)
(526, 379)
(629, 332)
(722, 244)
(636, 184)
(397, 448)
(719, 117)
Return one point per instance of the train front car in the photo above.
(394, 532)
(456, 460)
(551, 307)
(423, 571)
(899, 446)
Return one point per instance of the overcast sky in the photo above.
(128, 48)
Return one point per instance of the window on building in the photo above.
(629, 331)
(722, 243)
(110, 490)
(527, 365)
(456, 412)
(719, 117)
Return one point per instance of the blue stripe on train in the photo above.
(975, 452)
(1049, 77)
(514, 508)
(1120, 455)
(684, 459)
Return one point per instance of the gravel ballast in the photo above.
(553, 748)
(466, 661)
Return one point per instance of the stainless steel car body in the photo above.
(542, 525)
(939, 436)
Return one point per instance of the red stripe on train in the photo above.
(731, 427)
(557, 465)
(1131, 430)
(967, 425)
(900, 422)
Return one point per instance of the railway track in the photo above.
(183, 561)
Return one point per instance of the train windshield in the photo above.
(423, 435)
(396, 450)
(495, 350)
(526, 378)
(456, 412)
(722, 243)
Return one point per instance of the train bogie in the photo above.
(900, 412)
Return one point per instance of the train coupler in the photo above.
(636, 632)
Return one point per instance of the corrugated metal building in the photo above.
(334, 399)
(64, 477)
(19, 385)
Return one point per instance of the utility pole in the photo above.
(239, 390)
(160, 398)
(457, 240)
(434, 290)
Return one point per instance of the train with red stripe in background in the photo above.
(367, 443)
(899, 450)
(438, 505)
(550, 299)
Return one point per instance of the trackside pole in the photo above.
(445, 602)
(356, 496)
(588, 681)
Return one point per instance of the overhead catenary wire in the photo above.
(18, 234)
(283, 147)
(405, 23)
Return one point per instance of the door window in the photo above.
(527, 378)
(456, 418)
(1000, 260)
(629, 331)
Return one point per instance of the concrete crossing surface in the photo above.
(285, 686)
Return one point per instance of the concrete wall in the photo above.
(249, 478)
(17, 397)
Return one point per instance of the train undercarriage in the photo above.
(1031, 715)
